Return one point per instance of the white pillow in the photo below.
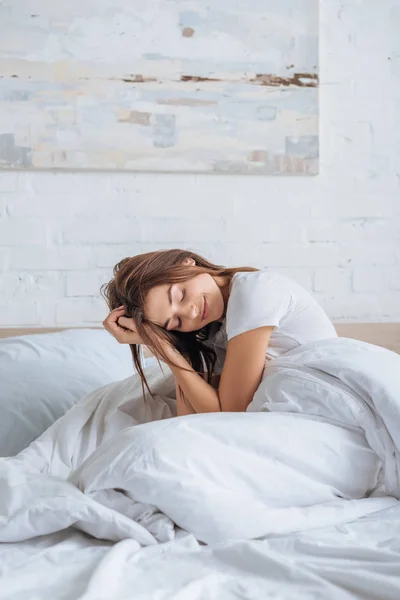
(229, 476)
(43, 375)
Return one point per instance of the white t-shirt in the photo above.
(264, 298)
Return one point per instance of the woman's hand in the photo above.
(121, 327)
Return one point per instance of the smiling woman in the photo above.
(171, 301)
(204, 319)
(190, 305)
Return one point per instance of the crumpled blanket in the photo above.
(101, 467)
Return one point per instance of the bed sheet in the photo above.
(359, 560)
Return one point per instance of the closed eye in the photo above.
(179, 319)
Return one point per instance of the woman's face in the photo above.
(186, 306)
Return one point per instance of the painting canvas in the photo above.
(228, 86)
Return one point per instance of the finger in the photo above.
(110, 326)
(127, 323)
(123, 336)
(114, 316)
(118, 309)
(118, 332)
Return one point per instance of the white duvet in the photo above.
(359, 560)
(321, 434)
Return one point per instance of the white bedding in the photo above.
(43, 375)
(289, 475)
(358, 560)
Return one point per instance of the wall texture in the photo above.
(338, 233)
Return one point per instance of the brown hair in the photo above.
(135, 276)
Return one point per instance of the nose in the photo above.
(191, 311)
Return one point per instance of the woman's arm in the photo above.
(197, 393)
(241, 375)
(243, 368)
(183, 406)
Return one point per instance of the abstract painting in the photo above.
(228, 86)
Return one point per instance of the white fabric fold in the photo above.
(318, 446)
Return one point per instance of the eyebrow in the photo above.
(170, 303)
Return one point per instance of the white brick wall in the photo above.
(338, 234)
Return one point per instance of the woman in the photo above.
(195, 315)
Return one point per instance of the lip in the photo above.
(205, 310)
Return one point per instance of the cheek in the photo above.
(195, 289)
(219, 304)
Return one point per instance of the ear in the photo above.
(189, 262)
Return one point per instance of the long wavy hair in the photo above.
(133, 278)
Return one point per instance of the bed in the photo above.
(359, 559)
(381, 334)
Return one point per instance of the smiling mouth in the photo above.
(204, 315)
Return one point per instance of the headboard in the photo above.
(381, 334)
